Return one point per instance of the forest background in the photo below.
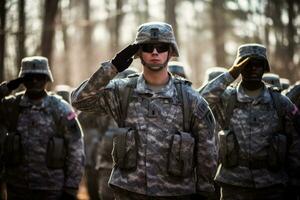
(77, 35)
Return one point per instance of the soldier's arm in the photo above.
(203, 127)
(74, 161)
(293, 138)
(89, 95)
(214, 89)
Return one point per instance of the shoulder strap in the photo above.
(230, 100)
(56, 116)
(276, 102)
(125, 95)
(183, 97)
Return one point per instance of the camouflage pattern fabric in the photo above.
(156, 117)
(253, 121)
(36, 125)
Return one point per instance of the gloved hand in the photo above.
(14, 84)
(235, 70)
(123, 59)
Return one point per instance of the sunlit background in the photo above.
(77, 35)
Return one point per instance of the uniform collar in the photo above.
(263, 97)
(26, 102)
(167, 91)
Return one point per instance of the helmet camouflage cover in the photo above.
(35, 65)
(252, 49)
(176, 68)
(154, 32)
(272, 79)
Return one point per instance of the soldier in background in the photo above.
(272, 80)
(176, 69)
(64, 91)
(153, 153)
(285, 83)
(259, 147)
(43, 148)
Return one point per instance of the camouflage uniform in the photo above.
(151, 177)
(254, 121)
(36, 126)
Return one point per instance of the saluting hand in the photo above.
(14, 84)
(123, 59)
(236, 69)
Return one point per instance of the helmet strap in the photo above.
(156, 67)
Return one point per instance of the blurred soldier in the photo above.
(272, 80)
(63, 91)
(259, 147)
(285, 83)
(213, 72)
(164, 148)
(104, 160)
(294, 93)
(43, 148)
(176, 69)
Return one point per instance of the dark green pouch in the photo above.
(229, 148)
(12, 150)
(56, 153)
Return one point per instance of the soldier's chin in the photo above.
(155, 67)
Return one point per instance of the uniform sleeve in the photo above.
(293, 138)
(74, 161)
(214, 89)
(93, 94)
(203, 127)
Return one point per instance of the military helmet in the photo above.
(154, 32)
(252, 49)
(64, 91)
(213, 72)
(176, 68)
(126, 72)
(285, 83)
(272, 79)
(35, 65)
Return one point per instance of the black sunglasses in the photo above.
(161, 47)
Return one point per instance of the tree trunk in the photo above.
(218, 31)
(48, 31)
(21, 35)
(170, 16)
(2, 37)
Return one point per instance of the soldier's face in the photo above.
(155, 54)
(35, 82)
(254, 70)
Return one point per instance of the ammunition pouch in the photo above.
(229, 148)
(12, 149)
(277, 151)
(56, 153)
(124, 151)
(181, 155)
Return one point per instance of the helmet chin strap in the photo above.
(155, 67)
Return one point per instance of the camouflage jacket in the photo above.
(36, 125)
(155, 129)
(253, 121)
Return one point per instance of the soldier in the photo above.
(176, 69)
(63, 91)
(272, 80)
(259, 148)
(43, 148)
(164, 148)
(285, 83)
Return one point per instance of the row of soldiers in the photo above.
(167, 140)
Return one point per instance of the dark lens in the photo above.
(148, 48)
(159, 48)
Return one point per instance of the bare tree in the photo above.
(170, 14)
(21, 34)
(218, 30)
(50, 10)
(2, 37)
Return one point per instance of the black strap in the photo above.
(182, 94)
(276, 102)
